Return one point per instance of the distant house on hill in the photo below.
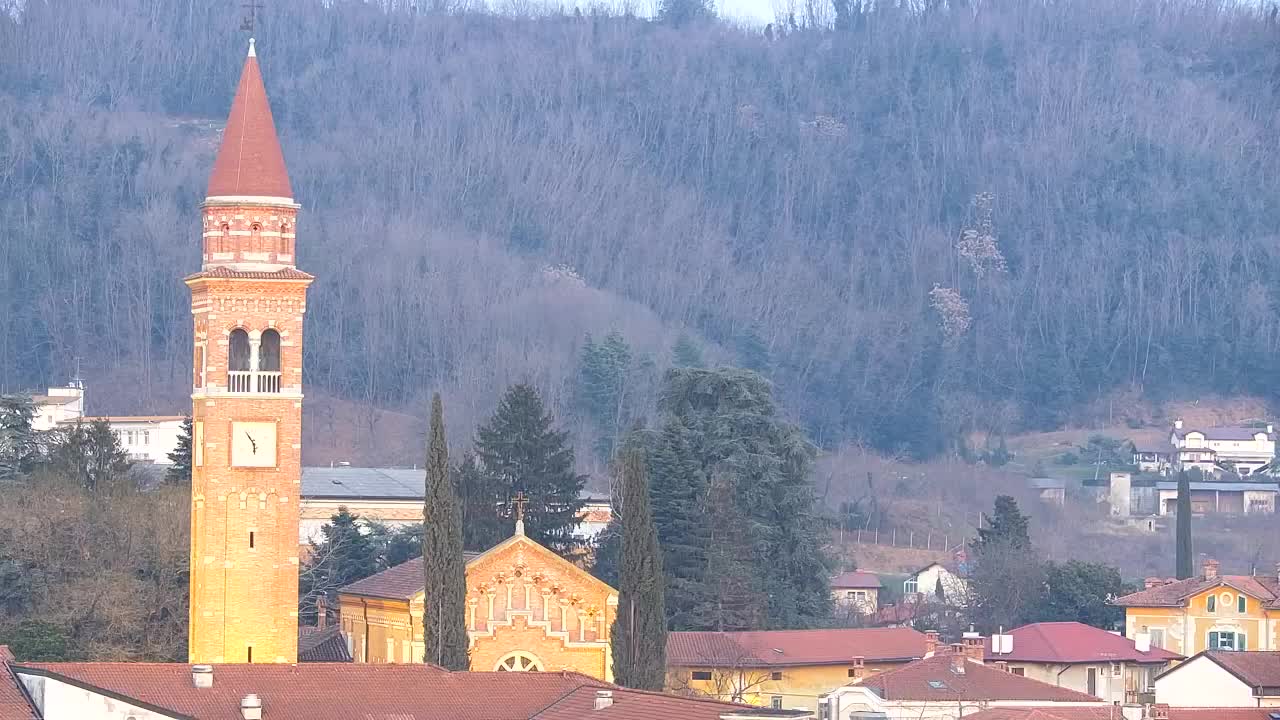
(923, 584)
(1242, 450)
(1153, 456)
(857, 590)
(1212, 497)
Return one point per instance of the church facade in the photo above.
(528, 610)
(247, 301)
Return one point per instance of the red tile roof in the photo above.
(1073, 642)
(640, 705)
(222, 272)
(330, 691)
(250, 162)
(1112, 712)
(1255, 668)
(1175, 593)
(855, 580)
(934, 679)
(13, 701)
(780, 648)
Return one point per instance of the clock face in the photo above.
(253, 444)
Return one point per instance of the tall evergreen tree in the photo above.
(520, 451)
(179, 473)
(1183, 551)
(639, 634)
(763, 463)
(603, 378)
(1007, 527)
(482, 524)
(445, 576)
(345, 554)
(678, 487)
(19, 446)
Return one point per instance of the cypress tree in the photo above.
(639, 635)
(1184, 564)
(520, 451)
(445, 583)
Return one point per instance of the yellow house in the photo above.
(528, 609)
(786, 668)
(1208, 612)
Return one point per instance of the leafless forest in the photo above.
(918, 219)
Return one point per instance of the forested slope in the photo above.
(481, 190)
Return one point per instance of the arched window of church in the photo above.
(222, 243)
(238, 351)
(255, 243)
(269, 352)
(519, 662)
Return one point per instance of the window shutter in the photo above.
(1240, 642)
(1241, 604)
(1211, 603)
(1213, 641)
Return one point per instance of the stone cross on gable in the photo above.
(519, 502)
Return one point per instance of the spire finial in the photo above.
(519, 501)
(252, 51)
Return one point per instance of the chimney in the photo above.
(1210, 569)
(1160, 711)
(1002, 666)
(1270, 428)
(1177, 424)
(1151, 582)
(932, 639)
(859, 663)
(1142, 642)
(975, 648)
(958, 658)
(322, 612)
(202, 676)
(251, 707)
(604, 699)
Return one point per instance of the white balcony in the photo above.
(249, 381)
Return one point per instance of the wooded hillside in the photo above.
(481, 190)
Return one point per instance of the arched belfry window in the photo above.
(238, 351)
(269, 352)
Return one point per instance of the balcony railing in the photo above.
(249, 381)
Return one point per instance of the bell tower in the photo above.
(247, 301)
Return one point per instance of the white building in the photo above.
(923, 584)
(59, 405)
(1228, 679)
(1243, 450)
(147, 438)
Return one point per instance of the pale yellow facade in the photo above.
(527, 609)
(790, 687)
(1187, 630)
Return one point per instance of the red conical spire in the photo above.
(250, 162)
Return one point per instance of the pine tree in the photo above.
(686, 353)
(520, 451)
(639, 635)
(1183, 555)
(445, 575)
(1006, 528)
(19, 446)
(179, 473)
(678, 488)
(482, 526)
(753, 353)
(603, 378)
(344, 555)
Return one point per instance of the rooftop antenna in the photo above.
(249, 23)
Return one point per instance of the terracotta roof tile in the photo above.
(326, 691)
(855, 579)
(226, 272)
(934, 679)
(780, 648)
(250, 162)
(1073, 642)
(1175, 593)
(13, 702)
(401, 582)
(640, 705)
(322, 645)
(1112, 712)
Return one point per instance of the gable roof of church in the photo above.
(250, 162)
(405, 581)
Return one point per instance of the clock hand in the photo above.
(253, 443)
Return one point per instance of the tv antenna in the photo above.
(251, 16)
